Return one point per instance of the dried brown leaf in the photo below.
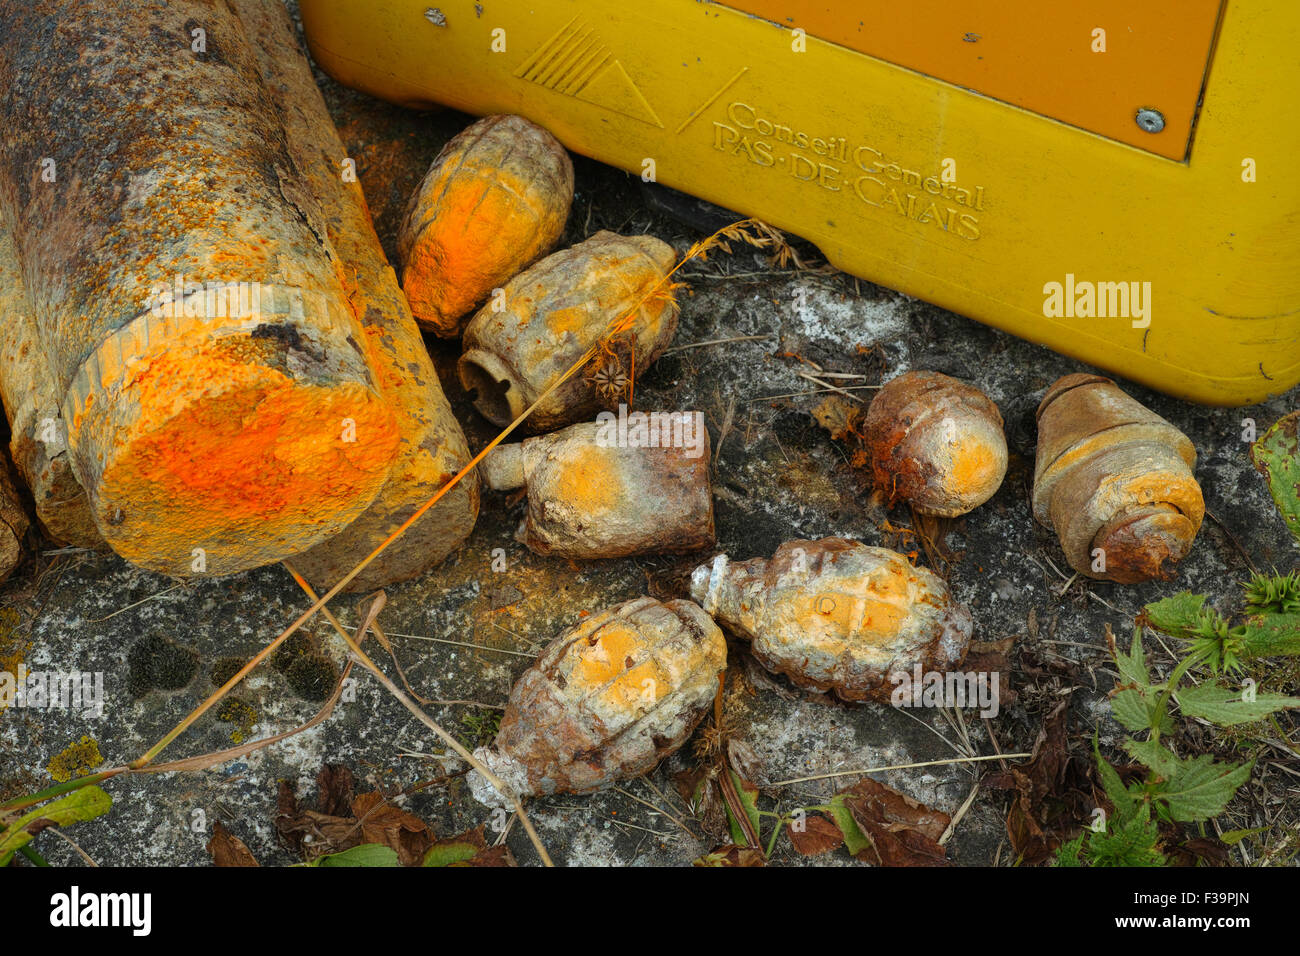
(1054, 792)
(226, 849)
(335, 785)
(699, 790)
(818, 835)
(903, 831)
(732, 855)
(381, 822)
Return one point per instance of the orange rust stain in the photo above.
(483, 221)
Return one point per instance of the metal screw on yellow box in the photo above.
(919, 146)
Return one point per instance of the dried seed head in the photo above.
(1115, 481)
(837, 615)
(607, 700)
(936, 443)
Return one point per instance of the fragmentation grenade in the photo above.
(606, 701)
(837, 615)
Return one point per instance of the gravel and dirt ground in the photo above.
(465, 631)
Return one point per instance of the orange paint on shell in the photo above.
(1171, 488)
(636, 689)
(567, 321)
(604, 660)
(974, 467)
(259, 461)
(596, 481)
(495, 200)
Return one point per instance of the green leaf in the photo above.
(1153, 756)
(1116, 792)
(855, 841)
(1127, 841)
(1277, 456)
(1200, 788)
(1132, 710)
(1133, 665)
(1070, 854)
(1186, 617)
(1225, 707)
(84, 804)
(1178, 615)
(1140, 709)
(1233, 837)
(446, 854)
(1273, 593)
(367, 854)
(748, 794)
(1271, 635)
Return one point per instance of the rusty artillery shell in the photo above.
(494, 201)
(607, 700)
(592, 495)
(837, 615)
(433, 447)
(37, 434)
(208, 368)
(936, 443)
(552, 313)
(1114, 480)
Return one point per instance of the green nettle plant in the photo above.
(1196, 789)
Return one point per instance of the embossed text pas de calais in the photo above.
(865, 172)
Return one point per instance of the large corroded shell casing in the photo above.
(601, 490)
(607, 700)
(190, 309)
(432, 446)
(13, 522)
(495, 200)
(1115, 481)
(553, 313)
(31, 399)
(936, 443)
(837, 615)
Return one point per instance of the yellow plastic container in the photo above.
(1129, 197)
